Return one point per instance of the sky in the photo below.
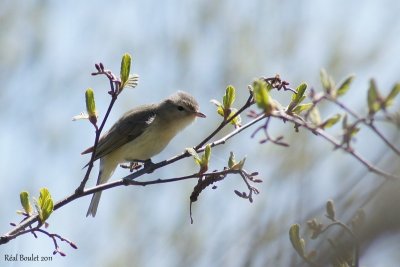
(49, 49)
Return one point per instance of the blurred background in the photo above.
(48, 50)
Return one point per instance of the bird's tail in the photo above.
(107, 168)
(94, 203)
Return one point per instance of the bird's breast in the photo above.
(151, 142)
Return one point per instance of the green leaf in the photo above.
(207, 154)
(344, 86)
(220, 108)
(315, 117)
(205, 159)
(125, 69)
(327, 82)
(225, 109)
(330, 210)
(91, 105)
(297, 98)
(229, 97)
(297, 242)
(302, 107)
(24, 197)
(324, 78)
(220, 111)
(392, 95)
(231, 161)
(300, 90)
(373, 98)
(239, 165)
(330, 122)
(44, 205)
(262, 97)
(237, 120)
(193, 152)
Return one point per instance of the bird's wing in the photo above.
(131, 125)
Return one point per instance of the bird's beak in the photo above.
(199, 114)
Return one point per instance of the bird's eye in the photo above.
(180, 108)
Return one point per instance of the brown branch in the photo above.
(282, 115)
(128, 180)
(225, 122)
(369, 123)
(19, 229)
(114, 91)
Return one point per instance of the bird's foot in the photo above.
(134, 165)
(148, 165)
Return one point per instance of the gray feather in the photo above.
(131, 125)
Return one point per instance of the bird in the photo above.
(140, 134)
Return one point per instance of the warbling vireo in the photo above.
(140, 134)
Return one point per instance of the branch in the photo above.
(25, 226)
(368, 123)
(114, 91)
(282, 115)
(128, 180)
(225, 122)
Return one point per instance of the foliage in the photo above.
(260, 106)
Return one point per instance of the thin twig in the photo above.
(368, 123)
(18, 230)
(248, 103)
(282, 115)
(114, 91)
(96, 142)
